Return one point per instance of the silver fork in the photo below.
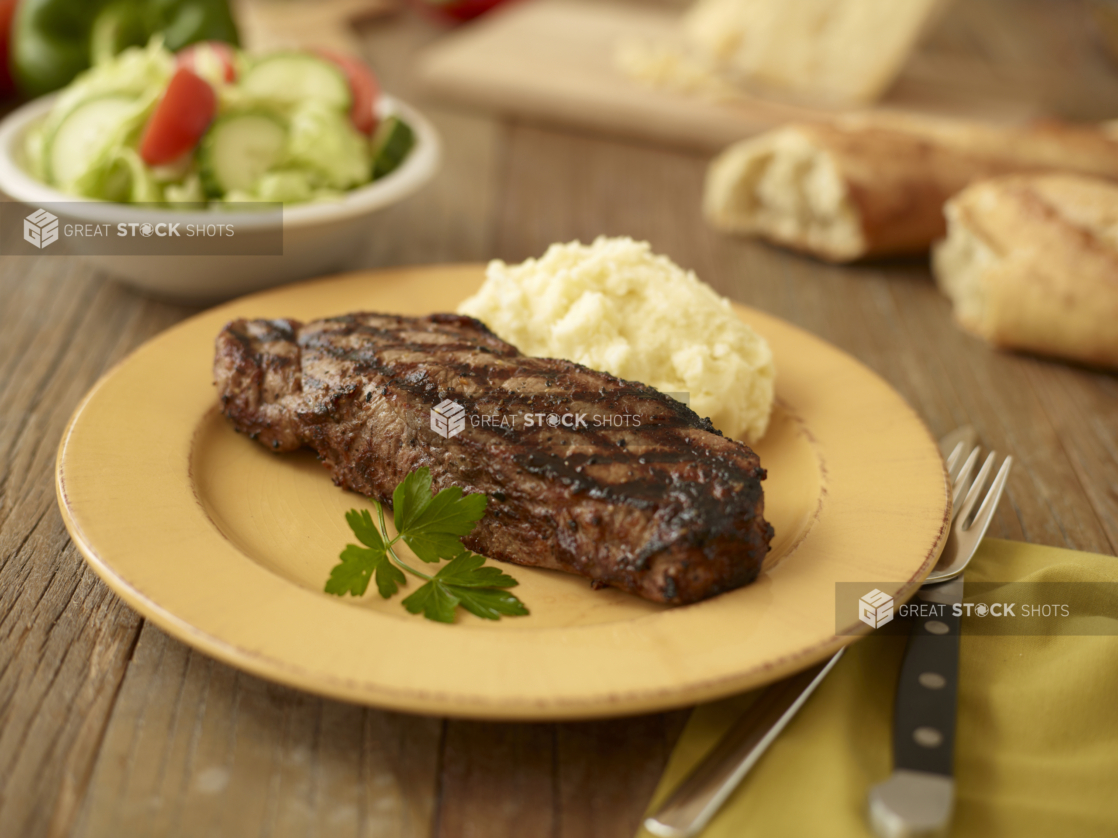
(919, 796)
(699, 797)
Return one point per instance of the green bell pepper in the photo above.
(54, 40)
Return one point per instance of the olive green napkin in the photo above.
(1036, 751)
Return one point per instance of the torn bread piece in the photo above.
(876, 185)
(814, 50)
(1030, 262)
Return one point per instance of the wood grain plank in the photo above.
(64, 639)
(1047, 46)
(564, 186)
(57, 691)
(498, 781)
(572, 780)
(1082, 406)
(196, 747)
(994, 391)
(452, 219)
(607, 769)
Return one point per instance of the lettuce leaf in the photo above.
(142, 72)
(324, 143)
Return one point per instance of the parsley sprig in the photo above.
(432, 526)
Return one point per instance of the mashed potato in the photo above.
(617, 307)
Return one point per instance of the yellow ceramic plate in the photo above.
(227, 546)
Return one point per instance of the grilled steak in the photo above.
(584, 472)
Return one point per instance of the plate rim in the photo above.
(435, 702)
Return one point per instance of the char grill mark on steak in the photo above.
(669, 510)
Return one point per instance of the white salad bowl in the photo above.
(317, 237)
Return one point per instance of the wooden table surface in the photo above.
(110, 728)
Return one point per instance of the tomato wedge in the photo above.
(199, 55)
(458, 11)
(362, 86)
(180, 119)
(7, 12)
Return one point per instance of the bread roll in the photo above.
(830, 51)
(1031, 262)
(876, 185)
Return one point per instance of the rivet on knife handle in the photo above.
(706, 788)
(919, 796)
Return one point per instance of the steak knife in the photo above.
(918, 798)
(703, 792)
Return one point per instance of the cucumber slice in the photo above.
(238, 149)
(391, 143)
(84, 135)
(290, 77)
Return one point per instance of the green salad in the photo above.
(213, 124)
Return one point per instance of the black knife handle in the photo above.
(927, 693)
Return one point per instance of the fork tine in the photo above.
(963, 540)
(975, 491)
(969, 539)
(962, 479)
(954, 458)
(964, 434)
(990, 502)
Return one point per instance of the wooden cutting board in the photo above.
(554, 60)
(268, 25)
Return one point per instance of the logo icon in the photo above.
(448, 419)
(146, 230)
(40, 228)
(875, 609)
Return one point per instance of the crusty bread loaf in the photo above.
(833, 51)
(1031, 262)
(876, 185)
